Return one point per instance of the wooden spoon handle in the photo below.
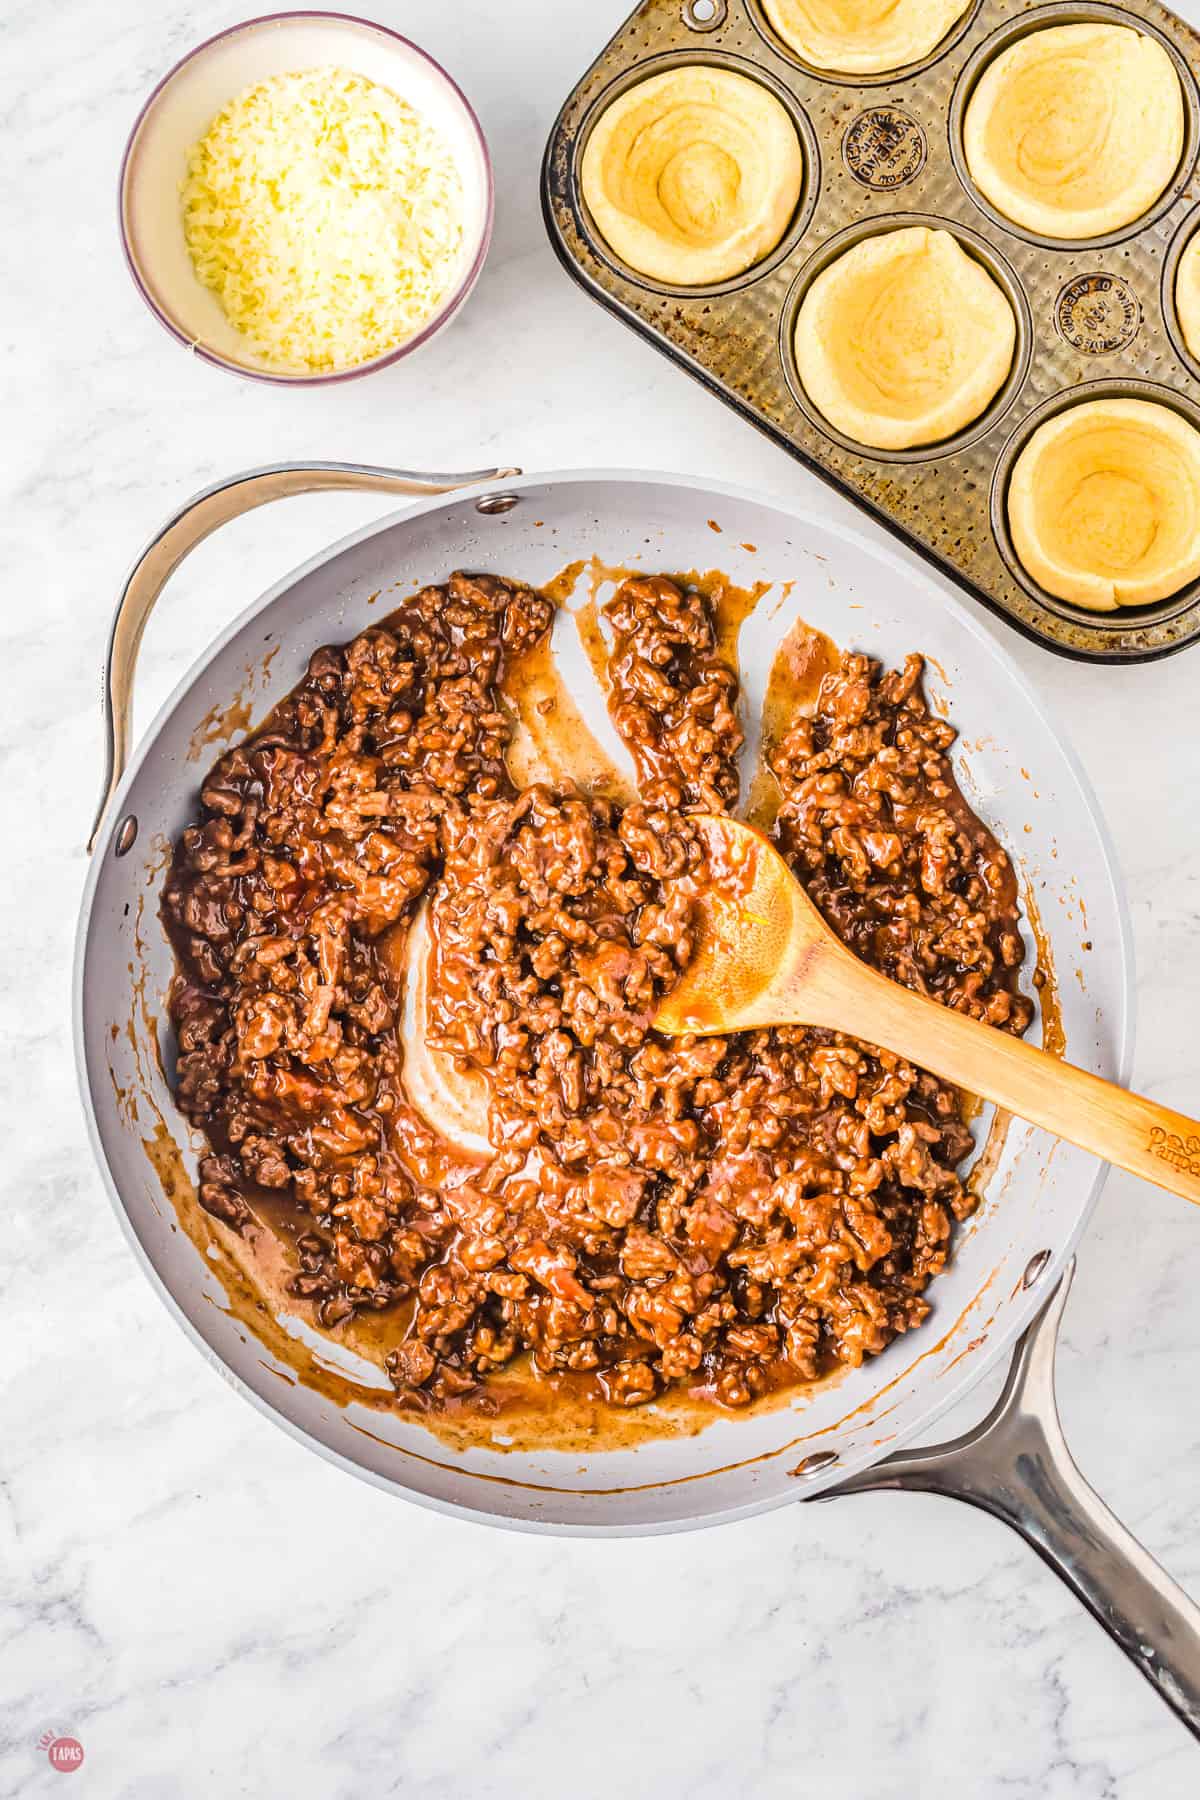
(1152, 1141)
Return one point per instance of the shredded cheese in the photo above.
(327, 217)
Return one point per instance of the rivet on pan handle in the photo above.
(1016, 1465)
(201, 516)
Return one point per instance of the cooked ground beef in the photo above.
(729, 1215)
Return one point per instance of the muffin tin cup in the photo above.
(1041, 19)
(882, 151)
(1155, 612)
(1002, 274)
(801, 217)
(879, 78)
(1170, 311)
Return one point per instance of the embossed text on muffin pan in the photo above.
(881, 152)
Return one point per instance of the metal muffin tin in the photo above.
(882, 152)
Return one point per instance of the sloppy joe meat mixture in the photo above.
(721, 1216)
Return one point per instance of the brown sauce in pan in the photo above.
(801, 663)
(661, 1231)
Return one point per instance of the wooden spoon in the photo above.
(766, 957)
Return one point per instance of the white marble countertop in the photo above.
(208, 1608)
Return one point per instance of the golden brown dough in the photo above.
(1104, 504)
(1187, 295)
(863, 37)
(904, 340)
(694, 175)
(1076, 130)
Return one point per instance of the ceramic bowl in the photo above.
(179, 112)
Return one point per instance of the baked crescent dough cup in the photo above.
(863, 37)
(904, 340)
(694, 175)
(1075, 131)
(1104, 504)
(1187, 295)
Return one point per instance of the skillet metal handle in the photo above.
(1016, 1465)
(196, 520)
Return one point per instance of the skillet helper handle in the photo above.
(1015, 1464)
(195, 521)
(1150, 1140)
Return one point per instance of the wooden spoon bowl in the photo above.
(765, 956)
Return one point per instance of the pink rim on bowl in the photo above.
(440, 318)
